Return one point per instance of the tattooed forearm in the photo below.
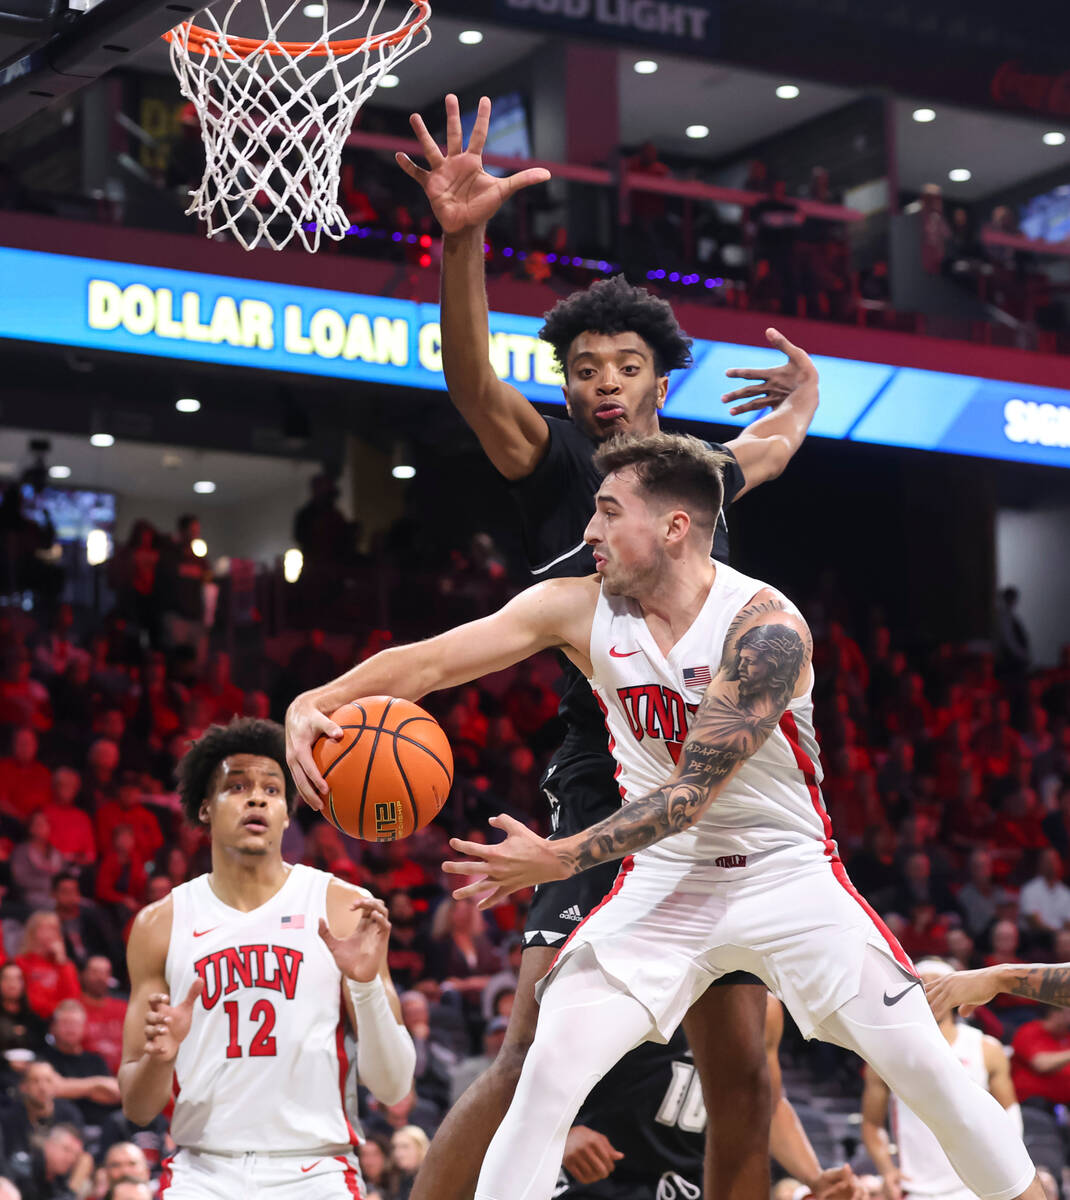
(1049, 985)
(738, 713)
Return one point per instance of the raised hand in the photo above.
(306, 723)
(360, 956)
(775, 383)
(461, 193)
(523, 860)
(166, 1025)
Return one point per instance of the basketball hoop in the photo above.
(275, 114)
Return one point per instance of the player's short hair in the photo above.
(615, 306)
(934, 966)
(243, 735)
(671, 467)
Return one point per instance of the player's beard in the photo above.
(634, 581)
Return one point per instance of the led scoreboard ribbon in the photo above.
(150, 310)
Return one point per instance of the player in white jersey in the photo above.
(729, 862)
(923, 1169)
(240, 984)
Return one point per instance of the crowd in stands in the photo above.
(947, 777)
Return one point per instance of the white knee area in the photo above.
(586, 1023)
(905, 1047)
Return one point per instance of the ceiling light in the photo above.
(57, 471)
(292, 562)
(470, 37)
(924, 115)
(101, 439)
(403, 471)
(204, 487)
(959, 175)
(697, 131)
(97, 547)
(314, 10)
(199, 547)
(1054, 138)
(787, 91)
(188, 405)
(645, 66)
(388, 81)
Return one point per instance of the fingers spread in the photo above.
(427, 143)
(478, 138)
(464, 868)
(476, 849)
(454, 135)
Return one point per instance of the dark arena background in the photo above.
(228, 475)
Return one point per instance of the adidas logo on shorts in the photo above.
(572, 913)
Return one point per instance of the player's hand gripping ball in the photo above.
(390, 772)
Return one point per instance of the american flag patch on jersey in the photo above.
(297, 922)
(697, 677)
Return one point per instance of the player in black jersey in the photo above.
(641, 1132)
(617, 345)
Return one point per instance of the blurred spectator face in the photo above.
(68, 1027)
(464, 917)
(1051, 866)
(402, 910)
(43, 933)
(78, 672)
(61, 1150)
(124, 1160)
(66, 783)
(372, 1161)
(123, 841)
(406, 1151)
(495, 1036)
(68, 897)
(521, 760)
(416, 1014)
(177, 865)
(159, 886)
(960, 946)
(129, 791)
(24, 746)
(918, 868)
(112, 724)
(104, 757)
(257, 704)
(1005, 939)
(980, 868)
(904, 754)
(38, 1087)
(96, 979)
(40, 828)
(12, 984)
(503, 1003)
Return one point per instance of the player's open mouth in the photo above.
(256, 824)
(599, 562)
(608, 412)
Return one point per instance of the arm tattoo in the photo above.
(738, 713)
(1049, 985)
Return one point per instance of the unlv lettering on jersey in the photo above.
(258, 966)
(657, 712)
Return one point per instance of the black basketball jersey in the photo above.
(556, 502)
(650, 1108)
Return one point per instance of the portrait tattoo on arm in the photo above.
(757, 677)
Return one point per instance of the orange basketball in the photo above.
(391, 771)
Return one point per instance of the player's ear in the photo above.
(203, 812)
(678, 525)
(663, 390)
(564, 392)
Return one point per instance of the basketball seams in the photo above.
(405, 781)
(403, 736)
(368, 772)
(338, 757)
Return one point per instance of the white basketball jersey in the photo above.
(770, 816)
(264, 1062)
(921, 1161)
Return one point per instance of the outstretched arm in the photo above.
(967, 990)
(766, 447)
(555, 613)
(463, 198)
(741, 708)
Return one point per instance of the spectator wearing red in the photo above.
(34, 862)
(995, 743)
(50, 975)
(72, 830)
(222, 695)
(23, 699)
(1005, 941)
(121, 878)
(55, 652)
(25, 783)
(128, 810)
(101, 782)
(1041, 1063)
(104, 1013)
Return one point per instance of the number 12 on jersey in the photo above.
(262, 1016)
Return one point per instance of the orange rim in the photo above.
(206, 41)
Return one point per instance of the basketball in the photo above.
(391, 771)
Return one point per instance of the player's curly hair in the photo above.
(615, 306)
(243, 735)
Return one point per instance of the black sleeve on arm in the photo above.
(733, 474)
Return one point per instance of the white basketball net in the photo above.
(275, 114)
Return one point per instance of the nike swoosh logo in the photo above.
(202, 932)
(305, 1170)
(615, 653)
(890, 1000)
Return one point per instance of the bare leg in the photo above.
(451, 1168)
(726, 1031)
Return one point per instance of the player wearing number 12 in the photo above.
(241, 983)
